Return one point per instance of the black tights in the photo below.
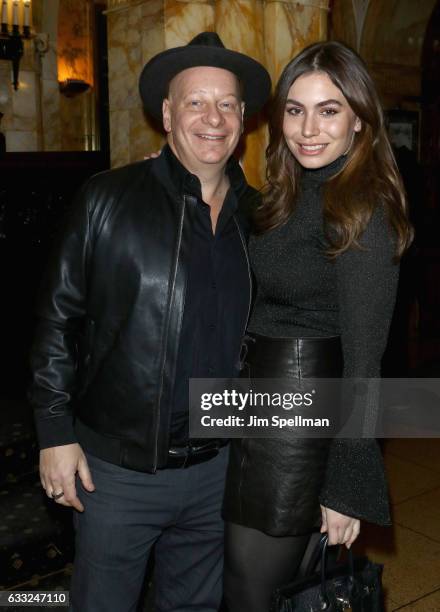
(256, 563)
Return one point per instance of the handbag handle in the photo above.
(320, 553)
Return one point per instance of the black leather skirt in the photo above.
(273, 484)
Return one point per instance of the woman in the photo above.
(328, 234)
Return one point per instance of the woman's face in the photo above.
(319, 124)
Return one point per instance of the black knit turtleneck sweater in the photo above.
(301, 292)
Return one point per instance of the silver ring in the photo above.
(56, 496)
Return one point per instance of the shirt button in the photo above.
(214, 286)
(211, 327)
(210, 370)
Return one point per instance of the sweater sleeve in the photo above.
(367, 278)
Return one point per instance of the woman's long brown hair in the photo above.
(369, 177)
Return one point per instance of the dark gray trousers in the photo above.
(179, 510)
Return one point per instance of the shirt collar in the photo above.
(174, 175)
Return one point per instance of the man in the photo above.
(150, 286)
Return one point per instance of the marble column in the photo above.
(125, 23)
(240, 25)
(289, 26)
(138, 30)
(48, 76)
(186, 18)
(271, 31)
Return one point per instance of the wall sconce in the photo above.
(73, 87)
(75, 47)
(11, 40)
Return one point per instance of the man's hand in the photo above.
(341, 529)
(58, 467)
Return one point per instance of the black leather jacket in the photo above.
(111, 311)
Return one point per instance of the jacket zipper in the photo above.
(240, 484)
(173, 286)
(249, 272)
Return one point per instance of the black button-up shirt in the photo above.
(216, 298)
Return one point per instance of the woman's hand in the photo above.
(153, 155)
(341, 529)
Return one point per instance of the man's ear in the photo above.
(242, 104)
(166, 115)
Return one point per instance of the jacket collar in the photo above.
(177, 179)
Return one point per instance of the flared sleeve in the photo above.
(355, 482)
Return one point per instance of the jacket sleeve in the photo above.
(367, 278)
(60, 317)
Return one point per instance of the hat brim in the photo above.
(159, 71)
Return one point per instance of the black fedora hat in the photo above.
(206, 49)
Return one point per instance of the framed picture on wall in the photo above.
(403, 129)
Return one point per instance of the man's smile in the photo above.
(212, 137)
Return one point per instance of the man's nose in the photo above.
(310, 125)
(213, 115)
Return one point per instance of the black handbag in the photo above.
(354, 586)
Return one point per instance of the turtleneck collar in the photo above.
(320, 175)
